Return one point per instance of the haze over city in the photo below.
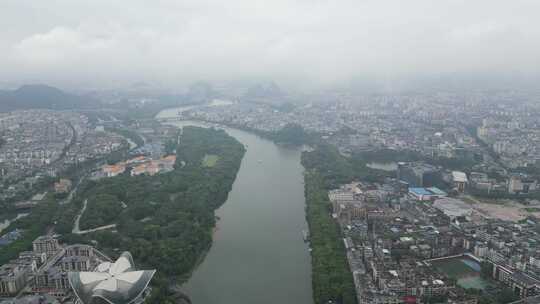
(249, 151)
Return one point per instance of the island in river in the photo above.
(256, 252)
(167, 220)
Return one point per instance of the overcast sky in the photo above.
(104, 42)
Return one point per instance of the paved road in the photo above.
(76, 227)
(111, 226)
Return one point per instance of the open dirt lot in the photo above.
(508, 210)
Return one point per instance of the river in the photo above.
(258, 254)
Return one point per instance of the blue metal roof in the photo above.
(437, 191)
(419, 191)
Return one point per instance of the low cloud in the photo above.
(326, 42)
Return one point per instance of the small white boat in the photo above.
(305, 235)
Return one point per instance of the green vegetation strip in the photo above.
(326, 169)
(331, 277)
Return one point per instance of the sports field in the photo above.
(465, 271)
(475, 282)
(210, 160)
(454, 268)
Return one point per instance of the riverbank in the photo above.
(257, 254)
(327, 169)
(332, 279)
(290, 135)
(258, 250)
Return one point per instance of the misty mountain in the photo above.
(42, 97)
(264, 90)
(197, 93)
(200, 92)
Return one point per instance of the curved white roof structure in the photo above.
(114, 283)
(459, 177)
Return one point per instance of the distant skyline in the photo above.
(389, 43)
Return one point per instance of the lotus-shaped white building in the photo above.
(114, 283)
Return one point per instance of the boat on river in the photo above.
(305, 235)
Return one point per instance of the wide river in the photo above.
(258, 254)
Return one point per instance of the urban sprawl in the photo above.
(459, 210)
